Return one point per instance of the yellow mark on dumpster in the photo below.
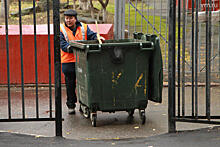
(145, 89)
(114, 81)
(115, 78)
(138, 81)
(119, 75)
(137, 84)
(113, 75)
(145, 84)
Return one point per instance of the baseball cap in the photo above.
(70, 13)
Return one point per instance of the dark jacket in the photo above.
(64, 44)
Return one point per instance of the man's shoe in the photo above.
(72, 111)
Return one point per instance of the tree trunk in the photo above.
(104, 15)
(74, 4)
(103, 10)
(2, 14)
(92, 9)
(42, 4)
(84, 4)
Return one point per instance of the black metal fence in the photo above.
(176, 81)
(23, 116)
(179, 110)
(151, 16)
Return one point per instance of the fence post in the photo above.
(119, 20)
(171, 67)
(57, 64)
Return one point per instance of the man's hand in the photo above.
(69, 49)
(102, 39)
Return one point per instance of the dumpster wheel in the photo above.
(142, 116)
(84, 110)
(93, 119)
(131, 112)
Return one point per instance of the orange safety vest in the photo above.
(81, 34)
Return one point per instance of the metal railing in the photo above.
(179, 101)
(24, 100)
(151, 16)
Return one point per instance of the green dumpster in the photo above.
(113, 76)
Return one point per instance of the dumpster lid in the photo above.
(92, 44)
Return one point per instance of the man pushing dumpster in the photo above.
(72, 30)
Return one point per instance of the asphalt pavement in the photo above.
(197, 138)
(113, 129)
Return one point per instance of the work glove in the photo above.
(102, 39)
(69, 49)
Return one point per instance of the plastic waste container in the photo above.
(113, 76)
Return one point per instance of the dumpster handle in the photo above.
(145, 49)
(87, 47)
(95, 51)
